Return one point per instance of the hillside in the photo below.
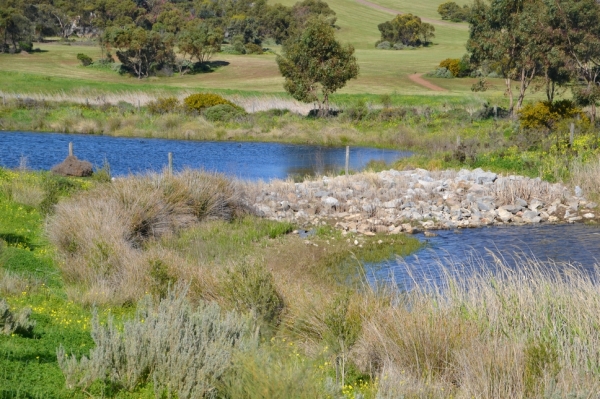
(381, 71)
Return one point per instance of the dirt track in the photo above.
(418, 79)
(396, 12)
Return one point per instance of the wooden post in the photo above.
(458, 141)
(495, 112)
(70, 149)
(347, 158)
(571, 136)
(170, 167)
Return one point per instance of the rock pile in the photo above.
(408, 201)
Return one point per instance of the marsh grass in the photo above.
(525, 332)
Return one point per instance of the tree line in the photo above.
(549, 45)
(145, 33)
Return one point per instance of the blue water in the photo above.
(251, 161)
(461, 252)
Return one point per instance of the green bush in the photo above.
(222, 113)
(198, 102)
(26, 46)
(250, 287)
(85, 59)
(163, 105)
(545, 114)
(183, 352)
(237, 42)
(252, 48)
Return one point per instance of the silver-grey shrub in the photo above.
(183, 352)
(19, 323)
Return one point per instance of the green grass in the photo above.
(57, 69)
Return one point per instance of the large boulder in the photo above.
(72, 166)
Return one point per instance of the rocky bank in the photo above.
(409, 201)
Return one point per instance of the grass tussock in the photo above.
(586, 175)
(104, 235)
(527, 333)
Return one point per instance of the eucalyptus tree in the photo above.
(510, 35)
(577, 24)
(315, 65)
(197, 42)
(140, 50)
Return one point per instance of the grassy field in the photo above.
(381, 71)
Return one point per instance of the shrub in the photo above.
(441, 73)
(163, 105)
(356, 112)
(391, 114)
(384, 45)
(15, 324)
(182, 352)
(222, 113)
(198, 102)
(26, 46)
(252, 48)
(399, 46)
(453, 65)
(545, 114)
(85, 59)
(251, 288)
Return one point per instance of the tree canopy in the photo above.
(315, 65)
(407, 29)
(453, 12)
(549, 41)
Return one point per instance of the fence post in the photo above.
(572, 134)
(71, 149)
(170, 167)
(458, 141)
(495, 112)
(347, 158)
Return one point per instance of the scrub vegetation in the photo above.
(230, 305)
(170, 285)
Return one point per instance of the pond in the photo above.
(245, 160)
(457, 253)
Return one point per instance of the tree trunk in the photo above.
(509, 93)
(524, 84)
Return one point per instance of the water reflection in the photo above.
(250, 161)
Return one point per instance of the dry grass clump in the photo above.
(527, 333)
(586, 175)
(103, 236)
(509, 190)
